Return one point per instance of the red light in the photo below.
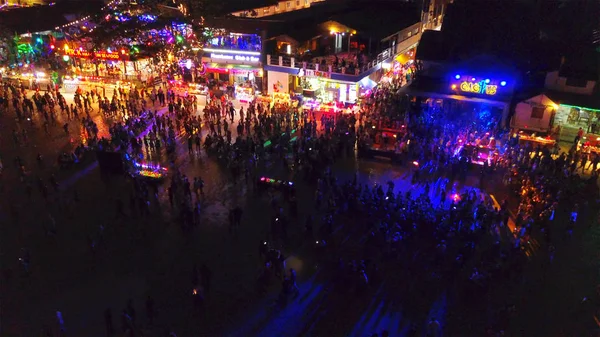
(122, 51)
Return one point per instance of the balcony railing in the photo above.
(291, 62)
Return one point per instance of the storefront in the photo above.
(400, 69)
(572, 117)
(233, 66)
(559, 114)
(104, 63)
(320, 87)
(314, 86)
(469, 96)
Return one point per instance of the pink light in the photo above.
(416, 163)
(456, 197)
(263, 179)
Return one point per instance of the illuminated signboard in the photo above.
(87, 54)
(476, 86)
(78, 53)
(107, 56)
(479, 88)
(234, 57)
(316, 73)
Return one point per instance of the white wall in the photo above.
(522, 118)
(279, 80)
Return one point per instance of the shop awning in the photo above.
(591, 102)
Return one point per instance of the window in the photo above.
(289, 5)
(538, 112)
(277, 7)
(297, 3)
(417, 31)
(306, 2)
(576, 82)
(267, 10)
(409, 34)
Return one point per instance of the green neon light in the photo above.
(579, 107)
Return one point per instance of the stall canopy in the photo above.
(534, 113)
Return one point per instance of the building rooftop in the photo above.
(391, 18)
(44, 18)
(379, 20)
(231, 6)
(503, 29)
(567, 98)
(432, 47)
(581, 64)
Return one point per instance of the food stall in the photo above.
(244, 93)
(590, 143)
(29, 80)
(264, 100)
(546, 142)
(72, 83)
(198, 89)
(103, 86)
(329, 109)
(382, 142)
(281, 101)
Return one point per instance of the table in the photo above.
(539, 140)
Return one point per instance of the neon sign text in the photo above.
(107, 55)
(88, 55)
(79, 53)
(235, 57)
(479, 88)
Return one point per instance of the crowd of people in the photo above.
(439, 231)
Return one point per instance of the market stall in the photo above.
(264, 100)
(281, 101)
(103, 86)
(244, 93)
(30, 80)
(198, 89)
(383, 142)
(537, 140)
